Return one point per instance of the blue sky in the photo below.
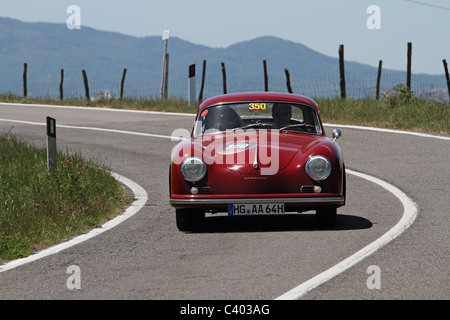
(321, 24)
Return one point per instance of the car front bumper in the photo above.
(295, 202)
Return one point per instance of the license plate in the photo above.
(255, 208)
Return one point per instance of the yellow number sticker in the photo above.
(257, 106)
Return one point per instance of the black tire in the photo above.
(326, 217)
(188, 219)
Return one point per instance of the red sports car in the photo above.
(257, 153)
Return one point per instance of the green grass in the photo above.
(413, 115)
(169, 105)
(39, 208)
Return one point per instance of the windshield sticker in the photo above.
(257, 106)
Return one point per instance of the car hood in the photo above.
(258, 152)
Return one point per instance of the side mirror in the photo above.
(336, 134)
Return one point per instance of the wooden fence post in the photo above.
(200, 96)
(408, 67)
(288, 81)
(165, 71)
(266, 78)
(122, 83)
(342, 72)
(380, 63)
(61, 81)
(86, 85)
(166, 78)
(447, 77)
(224, 77)
(25, 89)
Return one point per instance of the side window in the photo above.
(297, 114)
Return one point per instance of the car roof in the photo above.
(250, 96)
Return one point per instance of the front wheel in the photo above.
(188, 219)
(326, 216)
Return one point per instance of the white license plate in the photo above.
(255, 208)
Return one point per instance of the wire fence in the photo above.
(357, 86)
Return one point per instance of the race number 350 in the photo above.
(257, 106)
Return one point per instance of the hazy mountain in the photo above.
(48, 47)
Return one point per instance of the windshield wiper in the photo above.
(251, 125)
(297, 125)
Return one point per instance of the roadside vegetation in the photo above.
(40, 208)
(169, 105)
(397, 109)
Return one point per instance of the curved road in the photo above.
(146, 257)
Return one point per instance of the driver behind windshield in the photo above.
(221, 118)
(281, 114)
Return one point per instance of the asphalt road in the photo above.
(146, 257)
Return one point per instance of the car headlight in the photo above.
(193, 169)
(318, 168)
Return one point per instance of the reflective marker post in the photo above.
(51, 143)
(191, 85)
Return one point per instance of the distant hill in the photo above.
(48, 47)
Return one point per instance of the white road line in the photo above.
(139, 193)
(96, 129)
(94, 109)
(409, 215)
(411, 133)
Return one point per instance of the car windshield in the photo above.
(266, 115)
